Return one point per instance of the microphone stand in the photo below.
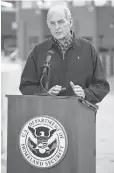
(45, 77)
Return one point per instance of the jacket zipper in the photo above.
(63, 55)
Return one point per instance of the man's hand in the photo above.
(55, 90)
(77, 90)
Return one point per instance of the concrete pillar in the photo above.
(95, 27)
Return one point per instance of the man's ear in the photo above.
(71, 22)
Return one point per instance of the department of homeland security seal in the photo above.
(43, 141)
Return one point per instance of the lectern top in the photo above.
(81, 100)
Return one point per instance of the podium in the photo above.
(78, 122)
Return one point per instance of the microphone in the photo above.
(47, 62)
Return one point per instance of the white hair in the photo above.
(59, 8)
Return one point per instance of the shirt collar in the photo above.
(75, 41)
(67, 41)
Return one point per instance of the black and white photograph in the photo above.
(57, 86)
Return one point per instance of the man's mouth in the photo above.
(58, 32)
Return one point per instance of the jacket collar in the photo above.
(75, 41)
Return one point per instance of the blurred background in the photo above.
(23, 25)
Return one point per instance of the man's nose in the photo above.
(57, 26)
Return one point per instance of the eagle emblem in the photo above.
(42, 142)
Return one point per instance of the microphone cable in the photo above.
(49, 94)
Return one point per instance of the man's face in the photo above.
(59, 25)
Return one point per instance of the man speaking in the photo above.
(74, 68)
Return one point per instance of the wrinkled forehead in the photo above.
(56, 14)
